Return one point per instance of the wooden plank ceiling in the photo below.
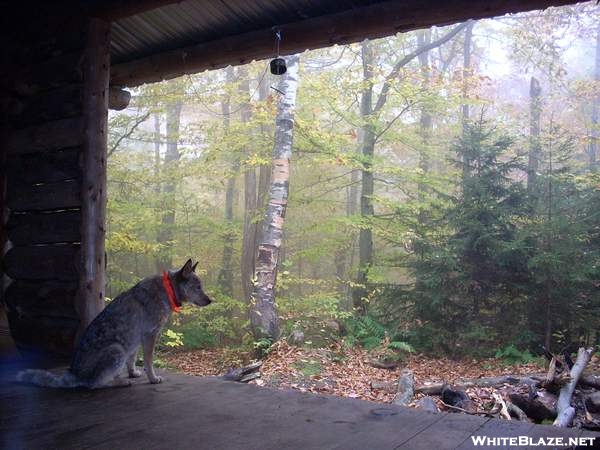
(154, 40)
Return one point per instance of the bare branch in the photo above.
(408, 58)
(127, 134)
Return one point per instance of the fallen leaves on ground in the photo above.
(342, 371)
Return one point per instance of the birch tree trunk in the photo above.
(263, 312)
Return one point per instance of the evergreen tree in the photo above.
(467, 260)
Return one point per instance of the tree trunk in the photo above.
(157, 160)
(535, 110)
(465, 113)
(369, 114)
(352, 194)
(255, 190)
(595, 126)
(226, 273)
(425, 121)
(466, 70)
(263, 313)
(565, 411)
(171, 162)
(365, 237)
(249, 237)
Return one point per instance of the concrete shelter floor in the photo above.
(186, 412)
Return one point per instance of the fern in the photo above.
(401, 346)
(367, 331)
(372, 327)
(370, 342)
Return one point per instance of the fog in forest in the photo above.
(443, 192)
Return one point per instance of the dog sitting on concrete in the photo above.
(134, 318)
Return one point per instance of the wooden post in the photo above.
(96, 71)
(3, 218)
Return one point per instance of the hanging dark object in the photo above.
(278, 66)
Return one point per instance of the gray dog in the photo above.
(134, 318)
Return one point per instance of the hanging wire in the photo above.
(277, 40)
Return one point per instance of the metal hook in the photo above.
(277, 32)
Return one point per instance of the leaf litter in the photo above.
(345, 372)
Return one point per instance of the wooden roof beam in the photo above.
(112, 10)
(373, 21)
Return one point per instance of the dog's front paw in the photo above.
(156, 380)
(135, 373)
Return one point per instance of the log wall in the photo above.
(53, 106)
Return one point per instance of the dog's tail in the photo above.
(48, 379)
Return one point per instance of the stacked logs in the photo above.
(564, 394)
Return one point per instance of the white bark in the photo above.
(263, 313)
(566, 412)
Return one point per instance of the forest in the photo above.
(434, 192)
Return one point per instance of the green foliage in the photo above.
(171, 339)
(262, 347)
(401, 346)
(465, 259)
(496, 255)
(195, 335)
(366, 331)
(218, 324)
(511, 355)
(318, 315)
(375, 337)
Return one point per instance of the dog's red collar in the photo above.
(175, 305)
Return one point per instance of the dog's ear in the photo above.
(186, 270)
(194, 267)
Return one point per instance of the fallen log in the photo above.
(243, 374)
(551, 372)
(538, 406)
(565, 412)
(406, 388)
(387, 386)
(502, 404)
(466, 411)
(514, 410)
(592, 381)
(382, 364)
(534, 380)
(592, 402)
(427, 404)
(530, 380)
